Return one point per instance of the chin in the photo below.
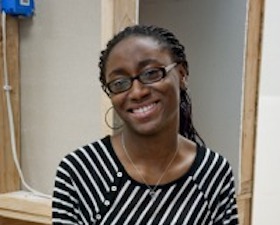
(146, 129)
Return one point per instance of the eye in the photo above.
(119, 84)
(151, 75)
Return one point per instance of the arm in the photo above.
(64, 204)
(227, 211)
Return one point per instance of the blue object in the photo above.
(18, 7)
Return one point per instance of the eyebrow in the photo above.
(140, 65)
(147, 62)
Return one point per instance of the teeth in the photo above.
(143, 109)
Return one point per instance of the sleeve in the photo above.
(64, 202)
(227, 210)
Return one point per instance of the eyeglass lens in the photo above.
(146, 77)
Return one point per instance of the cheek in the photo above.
(174, 94)
(118, 102)
(173, 86)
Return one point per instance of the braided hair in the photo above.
(167, 40)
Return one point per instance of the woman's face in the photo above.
(145, 108)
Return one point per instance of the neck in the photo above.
(161, 169)
(150, 147)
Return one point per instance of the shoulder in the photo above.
(91, 152)
(211, 168)
(213, 176)
(211, 159)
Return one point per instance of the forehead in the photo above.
(142, 41)
(136, 48)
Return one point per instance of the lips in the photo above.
(143, 110)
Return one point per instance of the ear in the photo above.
(183, 76)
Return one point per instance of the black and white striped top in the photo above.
(92, 187)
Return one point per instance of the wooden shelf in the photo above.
(25, 206)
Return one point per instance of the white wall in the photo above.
(213, 33)
(267, 179)
(60, 91)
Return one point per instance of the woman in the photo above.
(156, 170)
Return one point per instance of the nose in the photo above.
(138, 90)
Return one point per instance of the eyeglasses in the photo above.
(147, 77)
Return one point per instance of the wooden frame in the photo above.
(116, 14)
(9, 180)
(24, 206)
(250, 104)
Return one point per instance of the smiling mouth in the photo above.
(143, 109)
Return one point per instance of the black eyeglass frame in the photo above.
(165, 70)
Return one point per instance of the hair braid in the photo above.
(167, 40)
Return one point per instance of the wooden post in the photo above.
(9, 179)
(252, 69)
(125, 14)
